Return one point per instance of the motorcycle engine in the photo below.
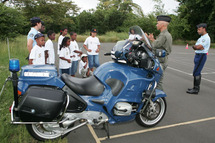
(122, 109)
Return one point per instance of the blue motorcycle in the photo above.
(119, 91)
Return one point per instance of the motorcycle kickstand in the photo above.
(106, 128)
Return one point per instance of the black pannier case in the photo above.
(41, 104)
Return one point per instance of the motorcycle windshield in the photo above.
(135, 33)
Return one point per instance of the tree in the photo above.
(55, 13)
(127, 6)
(195, 12)
(12, 22)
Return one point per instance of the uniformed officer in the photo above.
(35, 27)
(163, 41)
(201, 49)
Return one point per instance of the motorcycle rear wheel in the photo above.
(42, 133)
(151, 118)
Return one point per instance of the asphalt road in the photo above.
(189, 118)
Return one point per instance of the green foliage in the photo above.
(195, 12)
(11, 22)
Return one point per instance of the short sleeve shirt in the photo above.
(60, 39)
(31, 35)
(134, 37)
(205, 41)
(50, 47)
(74, 46)
(92, 43)
(64, 52)
(38, 55)
(81, 66)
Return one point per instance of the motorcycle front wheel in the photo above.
(42, 132)
(151, 117)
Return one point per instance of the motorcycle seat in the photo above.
(90, 86)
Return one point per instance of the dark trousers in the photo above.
(64, 71)
(199, 62)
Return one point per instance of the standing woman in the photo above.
(63, 33)
(64, 55)
(92, 45)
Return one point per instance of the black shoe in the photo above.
(193, 90)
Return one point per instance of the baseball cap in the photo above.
(83, 55)
(38, 35)
(94, 30)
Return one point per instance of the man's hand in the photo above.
(151, 37)
(97, 50)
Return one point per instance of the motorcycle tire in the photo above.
(40, 133)
(151, 118)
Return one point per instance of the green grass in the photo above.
(13, 133)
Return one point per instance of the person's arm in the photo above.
(68, 60)
(85, 47)
(98, 49)
(159, 42)
(197, 47)
(30, 61)
(30, 45)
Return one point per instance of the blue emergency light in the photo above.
(14, 65)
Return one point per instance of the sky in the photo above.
(147, 5)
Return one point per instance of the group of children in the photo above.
(68, 52)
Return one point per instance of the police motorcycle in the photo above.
(119, 91)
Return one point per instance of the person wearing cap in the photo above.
(37, 55)
(163, 41)
(201, 49)
(84, 70)
(35, 27)
(92, 45)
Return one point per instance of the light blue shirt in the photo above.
(31, 35)
(205, 41)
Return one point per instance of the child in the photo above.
(75, 52)
(92, 45)
(50, 47)
(63, 33)
(84, 70)
(64, 55)
(37, 55)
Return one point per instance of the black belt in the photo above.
(201, 53)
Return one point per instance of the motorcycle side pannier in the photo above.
(41, 103)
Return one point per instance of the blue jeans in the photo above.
(74, 67)
(64, 71)
(93, 61)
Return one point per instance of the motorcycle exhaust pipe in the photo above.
(76, 127)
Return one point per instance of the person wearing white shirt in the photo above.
(92, 45)
(64, 55)
(75, 52)
(63, 33)
(84, 70)
(37, 55)
(49, 46)
(133, 36)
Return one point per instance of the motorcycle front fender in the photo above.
(159, 94)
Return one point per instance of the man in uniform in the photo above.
(35, 27)
(163, 41)
(201, 49)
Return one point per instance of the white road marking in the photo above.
(158, 128)
(189, 74)
(93, 133)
